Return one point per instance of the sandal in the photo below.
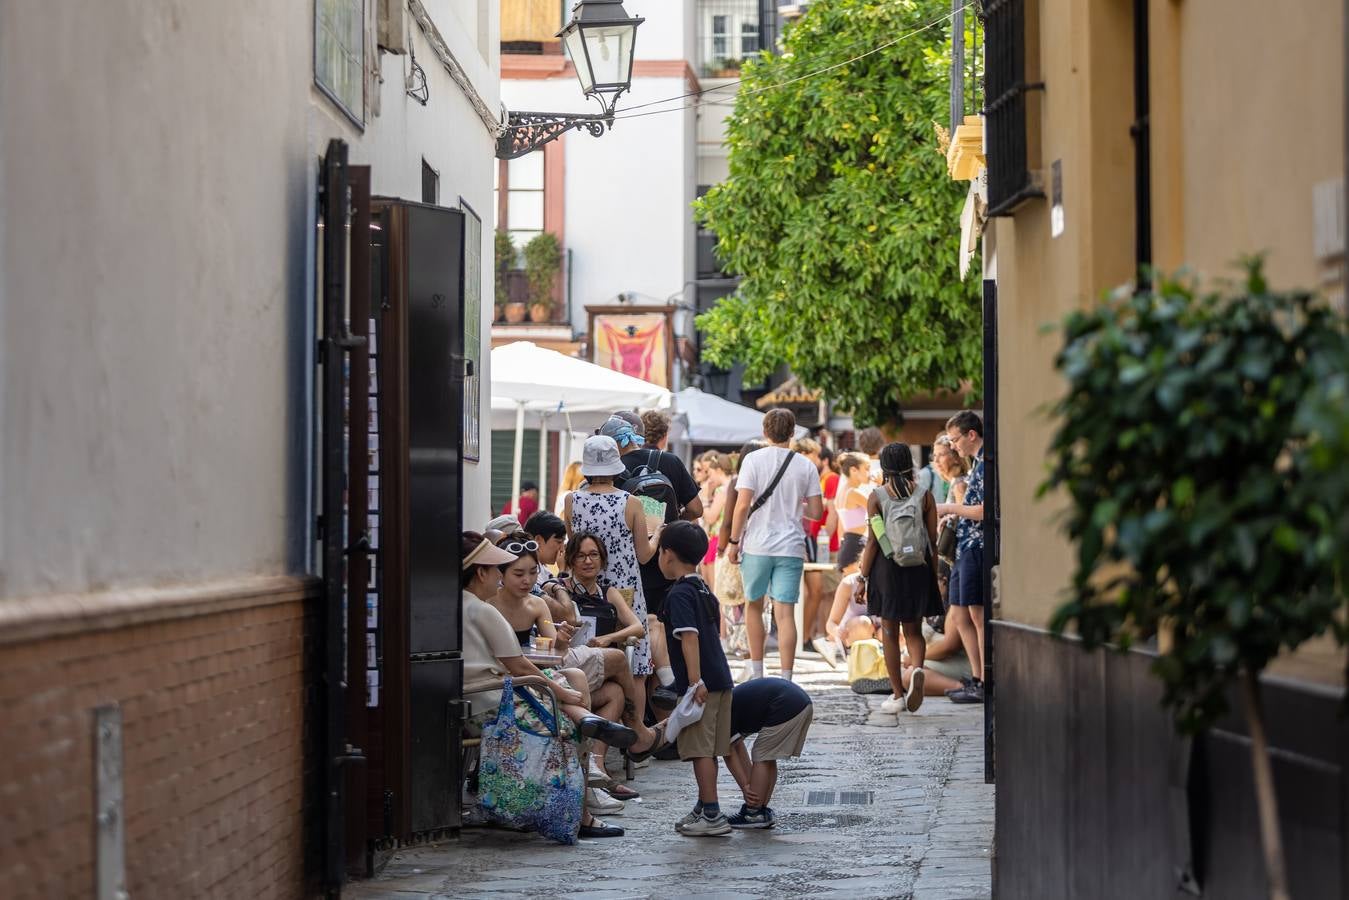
(623, 792)
(658, 744)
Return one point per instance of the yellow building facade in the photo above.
(1245, 144)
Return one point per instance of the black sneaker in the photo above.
(972, 694)
(760, 818)
(965, 682)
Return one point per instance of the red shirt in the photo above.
(829, 485)
(528, 506)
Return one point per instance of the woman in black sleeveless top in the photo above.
(597, 603)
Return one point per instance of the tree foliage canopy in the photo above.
(840, 216)
(1202, 446)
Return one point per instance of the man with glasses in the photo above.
(966, 590)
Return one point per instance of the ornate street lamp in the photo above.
(599, 38)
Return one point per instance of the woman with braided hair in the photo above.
(901, 595)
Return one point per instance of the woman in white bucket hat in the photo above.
(616, 517)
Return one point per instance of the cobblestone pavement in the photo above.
(872, 809)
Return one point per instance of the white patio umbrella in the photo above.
(546, 384)
(712, 420)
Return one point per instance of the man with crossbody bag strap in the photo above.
(775, 488)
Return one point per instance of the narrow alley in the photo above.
(870, 811)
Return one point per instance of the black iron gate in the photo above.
(335, 344)
(992, 520)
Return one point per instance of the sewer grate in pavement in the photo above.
(796, 822)
(840, 798)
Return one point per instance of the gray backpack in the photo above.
(905, 529)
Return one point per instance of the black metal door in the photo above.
(434, 254)
(335, 342)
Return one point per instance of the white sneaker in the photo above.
(596, 776)
(892, 705)
(913, 697)
(746, 674)
(825, 648)
(705, 827)
(600, 803)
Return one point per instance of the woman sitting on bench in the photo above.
(491, 650)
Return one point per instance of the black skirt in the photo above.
(902, 593)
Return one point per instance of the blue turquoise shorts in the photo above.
(778, 577)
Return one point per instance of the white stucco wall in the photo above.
(157, 163)
(454, 141)
(667, 32)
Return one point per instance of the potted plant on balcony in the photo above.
(504, 253)
(543, 259)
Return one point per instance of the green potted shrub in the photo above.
(1201, 445)
(504, 252)
(543, 260)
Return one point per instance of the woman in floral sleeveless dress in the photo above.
(617, 517)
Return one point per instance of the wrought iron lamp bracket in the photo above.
(528, 131)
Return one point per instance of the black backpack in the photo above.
(647, 480)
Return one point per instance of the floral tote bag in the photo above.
(530, 779)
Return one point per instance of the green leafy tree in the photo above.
(840, 216)
(1201, 444)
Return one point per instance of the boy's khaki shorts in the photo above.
(710, 735)
(783, 741)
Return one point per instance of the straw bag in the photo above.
(729, 587)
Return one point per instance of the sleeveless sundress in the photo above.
(602, 514)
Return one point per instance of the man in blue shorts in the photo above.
(966, 590)
(775, 488)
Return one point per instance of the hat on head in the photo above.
(633, 419)
(600, 457)
(488, 554)
(622, 432)
(506, 523)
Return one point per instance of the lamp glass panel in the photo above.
(575, 43)
(610, 49)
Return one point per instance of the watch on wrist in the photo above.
(734, 541)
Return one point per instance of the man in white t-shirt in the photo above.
(770, 545)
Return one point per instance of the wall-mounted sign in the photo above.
(633, 341)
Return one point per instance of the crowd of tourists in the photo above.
(626, 601)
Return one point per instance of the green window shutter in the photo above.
(503, 458)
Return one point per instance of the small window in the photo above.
(721, 35)
(1009, 177)
(339, 54)
(430, 184)
(524, 197)
(749, 39)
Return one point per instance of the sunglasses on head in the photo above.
(517, 548)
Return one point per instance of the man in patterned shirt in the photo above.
(966, 591)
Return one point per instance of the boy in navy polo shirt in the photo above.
(698, 660)
(780, 713)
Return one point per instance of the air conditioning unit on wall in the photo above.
(391, 26)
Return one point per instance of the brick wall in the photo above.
(212, 694)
